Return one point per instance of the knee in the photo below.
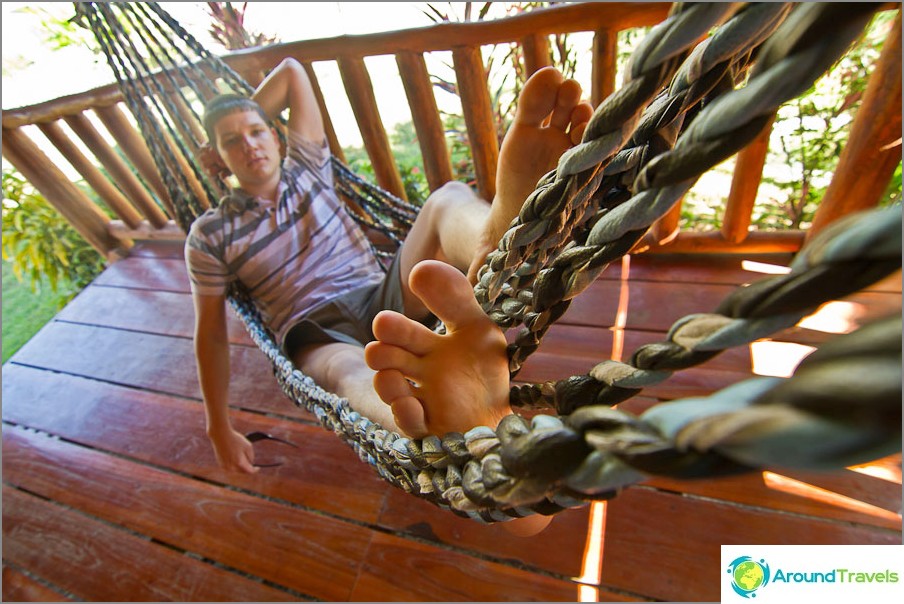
(447, 199)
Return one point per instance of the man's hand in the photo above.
(212, 163)
(234, 452)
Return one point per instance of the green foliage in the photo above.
(407, 154)
(806, 142)
(41, 244)
(62, 31)
(228, 27)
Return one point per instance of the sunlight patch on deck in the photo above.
(835, 317)
(778, 359)
(592, 565)
(802, 489)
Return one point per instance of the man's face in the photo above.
(248, 146)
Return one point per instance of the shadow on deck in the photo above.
(111, 491)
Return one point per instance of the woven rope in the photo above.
(604, 194)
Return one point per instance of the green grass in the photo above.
(25, 312)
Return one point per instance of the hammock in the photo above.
(678, 113)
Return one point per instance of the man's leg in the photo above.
(456, 381)
(340, 368)
(458, 227)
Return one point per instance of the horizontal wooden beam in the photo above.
(757, 242)
(588, 16)
(568, 18)
(145, 230)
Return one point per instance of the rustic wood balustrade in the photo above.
(144, 210)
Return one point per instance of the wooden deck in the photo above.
(111, 491)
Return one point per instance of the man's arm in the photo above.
(288, 86)
(233, 450)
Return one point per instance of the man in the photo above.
(285, 236)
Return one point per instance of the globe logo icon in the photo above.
(748, 575)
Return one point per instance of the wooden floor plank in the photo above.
(310, 553)
(401, 570)
(20, 587)
(158, 274)
(650, 533)
(842, 495)
(159, 312)
(159, 248)
(97, 562)
(152, 362)
(568, 530)
(322, 473)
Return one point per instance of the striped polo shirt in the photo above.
(292, 255)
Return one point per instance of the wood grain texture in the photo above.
(651, 538)
(19, 587)
(404, 570)
(568, 531)
(97, 562)
(322, 472)
(310, 553)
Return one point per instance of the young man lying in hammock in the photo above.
(285, 235)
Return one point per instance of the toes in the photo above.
(579, 119)
(380, 356)
(538, 97)
(446, 292)
(567, 98)
(409, 417)
(390, 385)
(398, 330)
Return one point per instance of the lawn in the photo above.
(25, 312)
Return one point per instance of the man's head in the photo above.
(223, 105)
(239, 130)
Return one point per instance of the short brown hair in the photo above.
(225, 104)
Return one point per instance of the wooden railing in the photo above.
(134, 191)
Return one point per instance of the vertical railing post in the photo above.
(425, 115)
(478, 112)
(360, 93)
(874, 144)
(745, 183)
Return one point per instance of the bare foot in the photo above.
(549, 120)
(441, 383)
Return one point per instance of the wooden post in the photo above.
(478, 112)
(101, 185)
(536, 53)
(68, 200)
(332, 139)
(666, 228)
(364, 105)
(745, 182)
(873, 149)
(117, 168)
(605, 65)
(427, 123)
(136, 149)
(184, 167)
(198, 137)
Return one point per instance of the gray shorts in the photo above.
(347, 318)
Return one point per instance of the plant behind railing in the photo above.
(40, 243)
